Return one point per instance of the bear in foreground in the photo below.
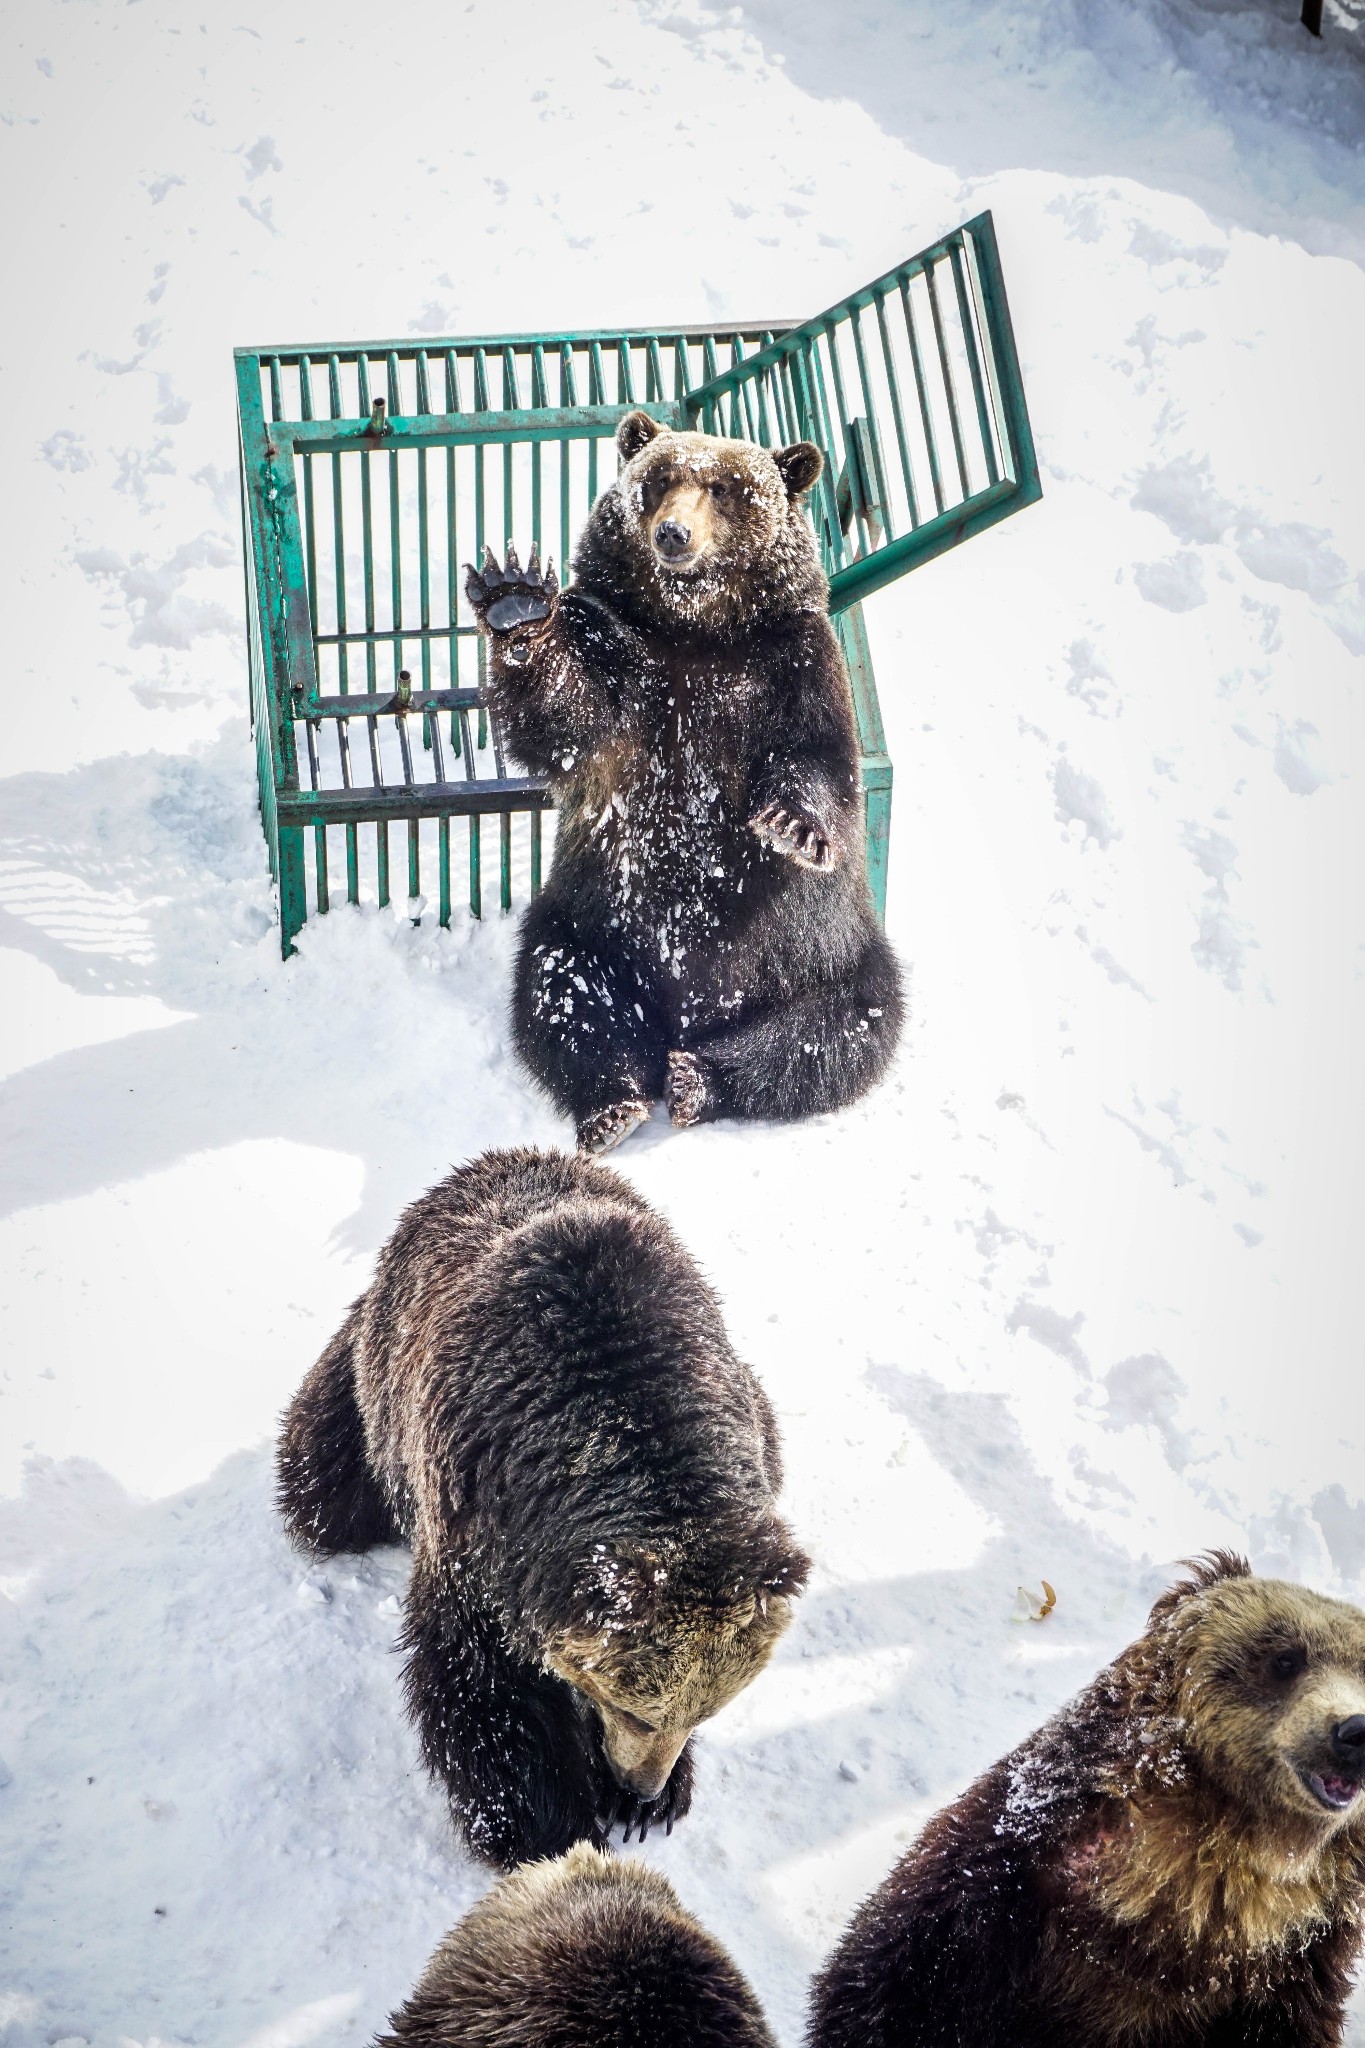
(584, 1952)
(1177, 1859)
(538, 1394)
(706, 935)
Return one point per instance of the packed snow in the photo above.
(1068, 1299)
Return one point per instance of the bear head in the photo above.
(667, 1632)
(1267, 1685)
(582, 1951)
(714, 528)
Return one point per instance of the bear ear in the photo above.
(1209, 1569)
(635, 432)
(768, 1560)
(799, 467)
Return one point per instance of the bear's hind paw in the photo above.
(504, 598)
(685, 1090)
(605, 1128)
(791, 831)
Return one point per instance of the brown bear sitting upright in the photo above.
(584, 1952)
(706, 934)
(1176, 1861)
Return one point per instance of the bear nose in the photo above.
(670, 538)
(1348, 1740)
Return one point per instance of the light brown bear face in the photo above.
(1272, 1695)
(700, 506)
(656, 1663)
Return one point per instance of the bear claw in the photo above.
(605, 1128)
(504, 597)
(791, 831)
(685, 1089)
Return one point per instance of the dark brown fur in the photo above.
(1150, 1870)
(584, 1952)
(538, 1394)
(705, 935)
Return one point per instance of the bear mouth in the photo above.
(1336, 1794)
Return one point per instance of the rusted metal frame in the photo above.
(381, 833)
(406, 348)
(823, 433)
(510, 388)
(1016, 433)
(969, 343)
(475, 828)
(424, 545)
(874, 763)
(452, 396)
(846, 436)
(568, 397)
(802, 332)
(284, 626)
(922, 398)
(424, 800)
(874, 446)
(625, 378)
(343, 675)
(440, 430)
(898, 413)
(597, 399)
(949, 389)
(872, 572)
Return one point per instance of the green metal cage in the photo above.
(371, 472)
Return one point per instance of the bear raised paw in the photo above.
(507, 597)
(706, 913)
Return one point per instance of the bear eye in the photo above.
(634, 1721)
(1289, 1663)
(719, 488)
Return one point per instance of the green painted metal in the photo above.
(371, 472)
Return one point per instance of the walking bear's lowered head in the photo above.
(668, 1634)
(537, 1391)
(583, 1952)
(1176, 1860)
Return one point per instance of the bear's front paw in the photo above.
(640, 1815)
(507, 598)
(686, 1090)
(794, 832)
(605, 1128)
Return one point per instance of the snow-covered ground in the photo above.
(1073, 1296)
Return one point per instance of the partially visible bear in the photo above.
(584, 1952)
(706, 934)
(538, 1394)
(1176, 1861)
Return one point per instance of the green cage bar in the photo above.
(364, 509)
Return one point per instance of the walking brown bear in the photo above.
(584, 1952)
(705, 935)
(1176, 1861)
(538, 1394)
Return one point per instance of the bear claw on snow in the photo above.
(605, 1128)
(685, 1089)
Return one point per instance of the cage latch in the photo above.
(379, 423)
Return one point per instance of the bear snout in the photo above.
(672, 539)
(1348, 1743)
